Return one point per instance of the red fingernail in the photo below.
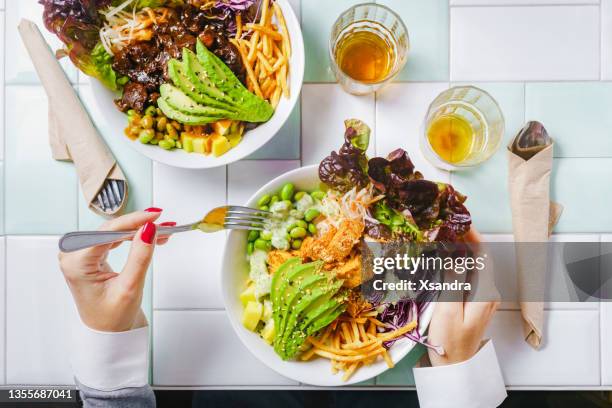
(168, 224)
(154, 210)
(148, 233)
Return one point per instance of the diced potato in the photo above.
(220, 145)
(252, 315)
(248, 295)
(187, 142)
(268, 333)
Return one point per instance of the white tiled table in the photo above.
(546, 61)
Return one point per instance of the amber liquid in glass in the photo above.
(451, 137)
(365, 56)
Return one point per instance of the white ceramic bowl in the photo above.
(233, 281)
(253, 139)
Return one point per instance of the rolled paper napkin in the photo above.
(533, 219)
(72, 135)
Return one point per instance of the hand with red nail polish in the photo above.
(108, 301)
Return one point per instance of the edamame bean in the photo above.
(179, 145)
(317, 195)
(266, 235)
(288, 203)
(250, 248)
(131, 112)
(147, 122)
(161, 124)
(165, 145)
(170, 140)
(171, 131)
(301, 224)
(298, 232)
(146, 136)
(264, 208)
(287, 191)
(275, 199)
(312, 229)
(150, 111)
(311, 214)
(296, 244)
(262, 245)
(264, 200)
(253, 235)
(299, 195)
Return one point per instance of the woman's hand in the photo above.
(460, 326)
(108, 301)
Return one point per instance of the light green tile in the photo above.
(486, 185)
(136, 167)
(318, 16)
(583, 187)
(41, 193)
(427, 23)
(576, 114)
(401, 374)
(1, 198)
(286, 144)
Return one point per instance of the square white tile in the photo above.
(247, 176)
(187, 270)
(40, 313)
(400, 111)
(524, 43)
(2, 310)
(2, 69)
(41, 193)
(325, 107)
(200, 348)
(568, 357)
(606, 40)
(19, 67)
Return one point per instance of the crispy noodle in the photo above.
(352, 205)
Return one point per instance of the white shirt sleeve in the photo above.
(475, 383)
(110, 361)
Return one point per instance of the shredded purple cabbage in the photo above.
(234, 5)
(399, 314)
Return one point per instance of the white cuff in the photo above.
(475, 383)
(110, 361)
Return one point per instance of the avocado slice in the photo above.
(196, 75)
(183, 103)
(277, 279)
(177, 115)
(288, 287)
(178, 75)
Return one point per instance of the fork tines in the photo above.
(244, 218)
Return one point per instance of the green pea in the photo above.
(287, 191)
(311, 214)
(317, 195)
(147, 122)
(264, 208)
(253, 235)
(264, 200)
(299, 195)
(301, 224)
(298, 232)
(262, 245)
(266, 235)
(165, 145)
(151, 111)
(312, 229)
(296, 244)
(250, 248)
(146, 136)
(275, 199)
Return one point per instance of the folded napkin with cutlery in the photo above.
(72, 135)
(530, 159)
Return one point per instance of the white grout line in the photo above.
(531, 5)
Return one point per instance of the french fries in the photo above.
(352, 342)
(266, 53)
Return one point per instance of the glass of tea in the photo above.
(464, 127)
(368, 47)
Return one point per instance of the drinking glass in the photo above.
(475, 107)
(377, 19)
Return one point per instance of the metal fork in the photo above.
(111, 195)
(227, 217)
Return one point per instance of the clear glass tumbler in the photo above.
(372, 18)
(477, 119)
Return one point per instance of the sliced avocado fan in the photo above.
(305, 298)
(205, 90)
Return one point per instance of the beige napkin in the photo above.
(72, 135)
(533, 218)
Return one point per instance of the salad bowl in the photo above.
(253, 139)
(235, 272)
